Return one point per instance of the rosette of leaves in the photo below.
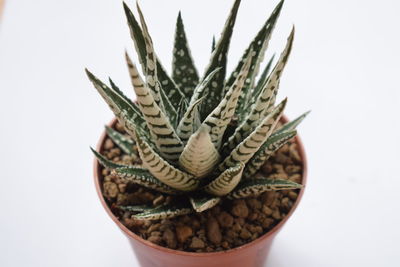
(203, 138)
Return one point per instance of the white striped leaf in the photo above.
(226, 182)
(171, 89)
(202, 201)
(255, 187)
(165, 212)
(291, 125)
(252, 143)
(190, 121)
(258, 46)
(222, 115)
(164, 135)
(124, 143)
(261, 156)
(136, 208)
(184, 73)
(219, 59)
(164, 171)
(199, 91)
(143, 177)
(199, 156)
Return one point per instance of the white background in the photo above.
(344, 67)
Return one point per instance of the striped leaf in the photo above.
(199, 156)
(199, 91)
(165, 172)
(291, 125)
(202, 202)
(219, 59)
(136, 80)
(166, 140)
(106, 162)
(123, 109)
(183, 107)
(171, 89)
(165, 212)
(136, 208)
(245, 129)
(254, 187)
(258, 46)
(249, 146)
(184, 73)
(190, 121)
(124, 143)
(226, 182)
(143, 177)
(222, 115)
(261, 156)
(213, 44)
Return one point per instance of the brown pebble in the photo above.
(294, 154)
(240, 209)
(183, 233)
(267, 223)
(276, 214)
(254, 203)
(158, 200)
(153, 227)
(291, 169)
(197, 243)
(253, 216)
(292, 195)
(213, 231)
(169, 238)
(110, 189)
(155, 239)
(266, 168)
(225, 245)
(245, 234)
(108, 144)
(225, 219)
(266, 210)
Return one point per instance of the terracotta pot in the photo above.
(253, 254)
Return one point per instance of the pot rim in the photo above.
(274, 230)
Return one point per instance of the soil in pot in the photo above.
(228, 225)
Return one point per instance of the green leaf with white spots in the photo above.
(124, 143)
(165, 212)
(163, 133)
(184, 72)
(255, 187)
(226, 182)
(203, 201)
(222, 115)
(219, 59)
(143, 177)
(106, 162)
(258, 46)
(199, 91)
(252, 143)
(164, 171)
(171, 89)
(190, 121)
(291, 125)
(199, 156)
(136, 208)
(261, 156)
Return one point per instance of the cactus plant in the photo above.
(199, 138)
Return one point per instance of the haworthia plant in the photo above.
(201, 139)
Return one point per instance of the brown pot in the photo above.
(253, 254)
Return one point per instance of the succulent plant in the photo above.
(201, 139)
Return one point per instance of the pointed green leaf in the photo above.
(258, 46)
(261, 156)
(219, 59)
(165, 212)
(203, 201)
(199, 92)
(291, 125)
(213, 44)
(126, 144)
(163, 171)
(106, 162)
(184, 72)
(190, 121)
(143, 177)
(249, 146)
(222, 115)
(199, 156)
(171, 89)
(136, 208)
(183, 107)
(255, 187)
(226, 182)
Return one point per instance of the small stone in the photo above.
(292, 195)
(110, 189)
(225, 245)
(225, 219)
(155, 233)
(197, 243)
(183, 233)
(108, 144)
(291, 169)
(213, 231)
(240, 209)
(267, 223)
(146, 197)
(268, 198)
(155, 239)
(158, 200)
(169, 238)
(276, 215)
(153, 227)
(294, 154)
(254, 203)
(245, 234)
(295, 178)
(253, 216)
(266, 210)
(282, 159)
(122, 188)
(266, 168)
